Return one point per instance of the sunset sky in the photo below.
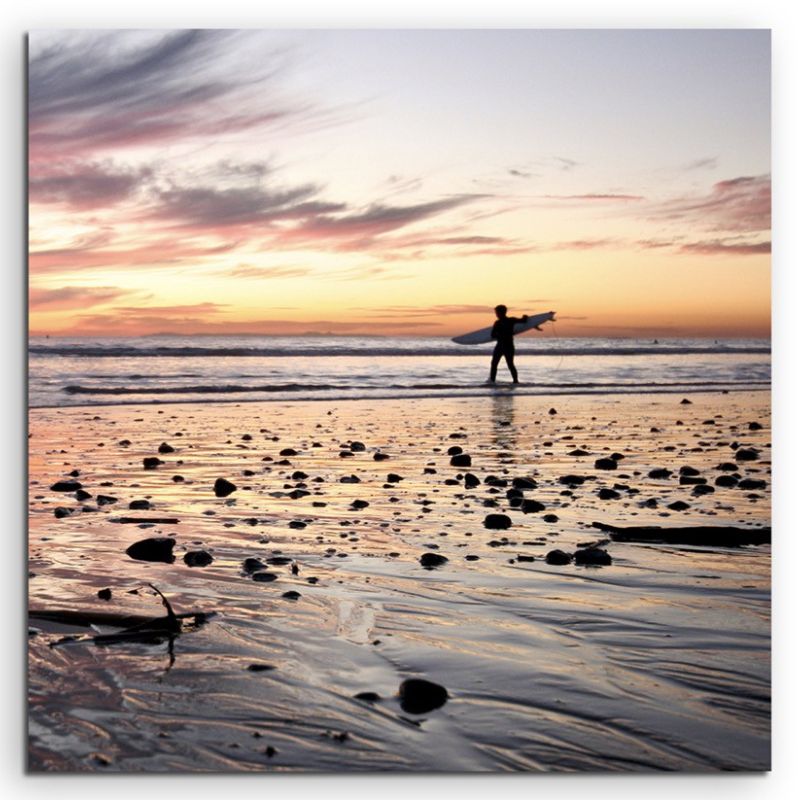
(399, 182)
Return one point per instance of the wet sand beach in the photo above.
(654, 657)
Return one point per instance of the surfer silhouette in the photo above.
(503, 334)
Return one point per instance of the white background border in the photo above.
(18, 17)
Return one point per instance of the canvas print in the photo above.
(399, 401)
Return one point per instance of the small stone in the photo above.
(66, 486)
(151, 462)
(605, 463)
(104, 594)
(156, 549)
(197, 558)
(367, 697)
(288, 451)
(418, 696)
(264, 577)
(659, 474)
(393, 477)
(497, 521)
(223, 487)
(745, 454)
(432, 560)
(752, 484)
(592, 557)
(531, 507)
(60, 512)
(471, 481)
(558, 557)
(291, 595)
(165, 448)
(104, 500)
(461, 460)
(550, 518)
(260, 667)
(608, 494)
(679, 505)
(139, 505)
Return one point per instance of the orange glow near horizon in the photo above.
(254, 214)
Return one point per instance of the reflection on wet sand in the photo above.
(658, 661)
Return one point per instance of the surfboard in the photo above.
(484, 335)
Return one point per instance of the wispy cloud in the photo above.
(72, 297)
(85, 185)
(717, 247)
(587, 244)
(93, 91)
(606, 197)
(741, 204)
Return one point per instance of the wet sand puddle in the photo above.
(659, 660)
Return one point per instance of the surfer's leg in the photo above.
(511, 368)
(496, 356)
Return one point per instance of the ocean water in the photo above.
(162, 369)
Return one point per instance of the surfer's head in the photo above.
(501, 311)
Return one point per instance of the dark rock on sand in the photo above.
(471, 481)
(691, 480)
(524, 483)
(578, 452)
(82, 495)
(157, 549)
(139, 505)
(726, 466)
(605, 463)
(550, 518)
(752, 484)
(359, 504)
(260, 667)
(454, 450)
(686, 470)
(291, 595)
(393, 477)
(558, 557)
(592, 557)
(716, 536)
(686, 402)
(432, 560)
(165, 448)
(531, 506)
(105, 500)
(197, 558)
(659, 474)
(461, 460)
(702, 489)
(572, 480)
(679, 505)
(288, 451)
(608, 494)
(381, 456)
(250, 565)
(726, 481)
(60, 512)
(418, 696)
(755, 426)
(151, 462)
(222, 487)
(358, 447)
(104, 594)
(746, 454)
(264, 577)
(497, 521)
(66, 486)
(367, 697)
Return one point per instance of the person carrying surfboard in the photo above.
(503, 333)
